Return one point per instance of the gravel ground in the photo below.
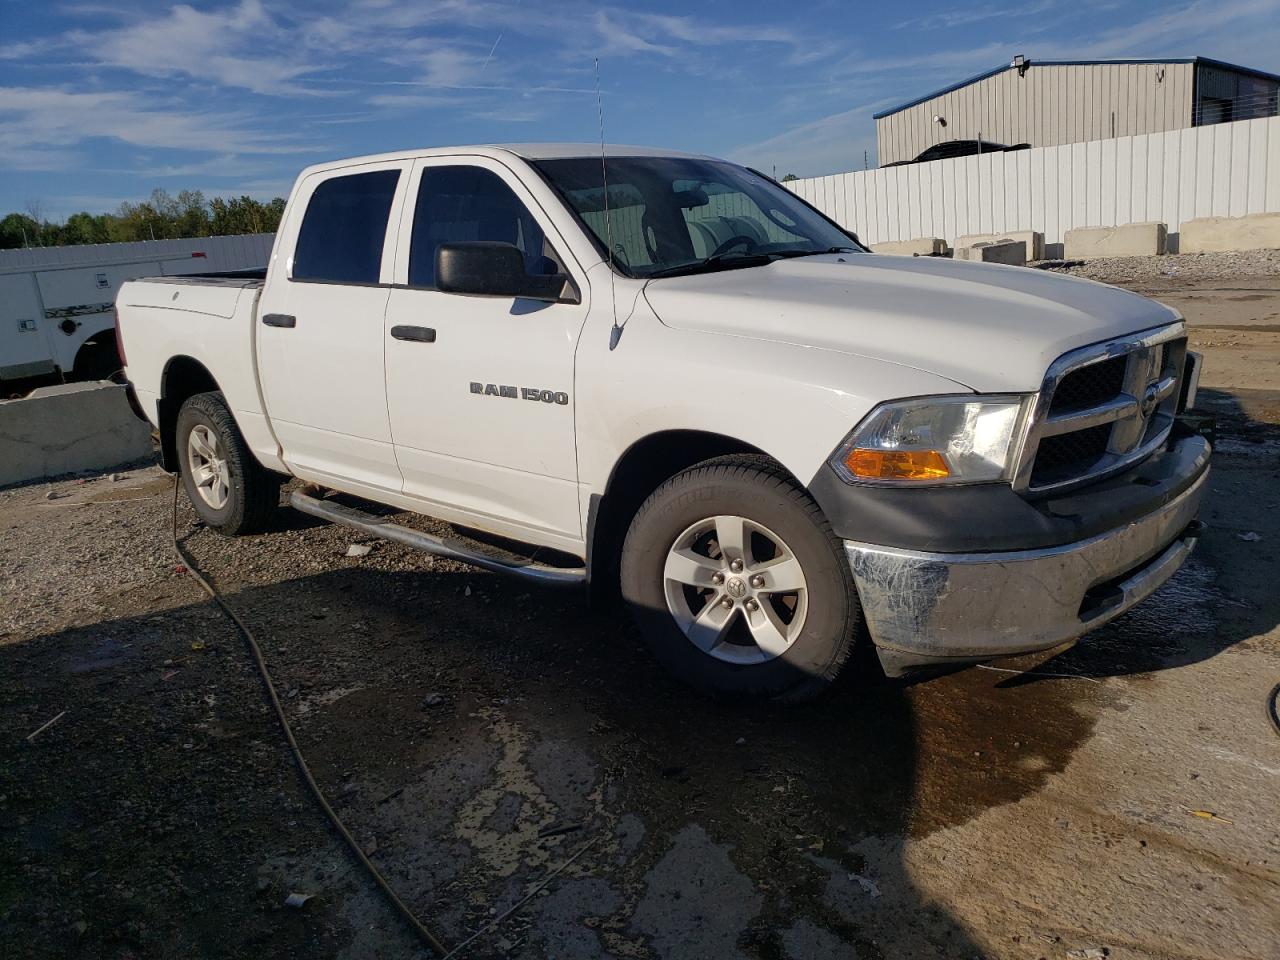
(474, 733)
(1189, 268)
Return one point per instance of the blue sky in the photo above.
(104, 101)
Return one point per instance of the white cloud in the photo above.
(828, 144)
(965, 59)
(412, 101)
(1204, 27)
(617, 38)
(226, 47)
(1183, 30)
(38, 125)
(223, 165)
(950, 19)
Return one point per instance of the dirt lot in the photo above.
(1120, 796)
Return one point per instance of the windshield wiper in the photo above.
(723, 261)
(788, 254)
(726, 261)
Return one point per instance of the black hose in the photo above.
(1273, 707)
(406, 914)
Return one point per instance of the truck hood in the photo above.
(990, 328)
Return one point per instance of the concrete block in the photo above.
(1256, 231)
(1128, 240)
(920, 247)
(1011, 252)
(68, 428)
(1033, 239)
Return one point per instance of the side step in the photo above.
(487, 558)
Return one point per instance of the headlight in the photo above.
(962, 439)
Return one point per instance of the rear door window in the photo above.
(344, 229)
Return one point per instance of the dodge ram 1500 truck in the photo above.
(692, 386)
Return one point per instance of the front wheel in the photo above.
(230, 491)
(738, 584)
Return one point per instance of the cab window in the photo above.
(465, 203)
(344, 229)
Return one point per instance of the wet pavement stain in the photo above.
(764, 790)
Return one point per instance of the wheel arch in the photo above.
(183, 378)
(641, 469)
(95, 356)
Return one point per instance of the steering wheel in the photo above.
(738, 240)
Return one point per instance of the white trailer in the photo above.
(56, 302)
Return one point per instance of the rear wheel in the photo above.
(97, 359)
(229, 490)
(738, 584)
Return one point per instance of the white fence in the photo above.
(1223, 170)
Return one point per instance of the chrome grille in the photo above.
(1101, 409)
(1090, 385)
(1069, 455)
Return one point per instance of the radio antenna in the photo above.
(616, 332)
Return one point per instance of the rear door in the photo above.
(320, 326)
(481, 403)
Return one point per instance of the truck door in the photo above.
(319, 326)
(480, 389)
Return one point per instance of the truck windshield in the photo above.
(677, 215)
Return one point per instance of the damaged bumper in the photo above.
(935, 608)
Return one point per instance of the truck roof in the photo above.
(526, 151)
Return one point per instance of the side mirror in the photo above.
(485, 268)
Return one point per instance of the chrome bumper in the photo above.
(926, 608)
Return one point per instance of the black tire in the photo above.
(96, 360)
(253, 492)
(759, 490)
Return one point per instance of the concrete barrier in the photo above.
(69, 428)
(1033, 239)
(1011, 252)
(1128, 240)
(920, 247)
(1256, 231)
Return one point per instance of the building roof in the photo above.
(1204, 61)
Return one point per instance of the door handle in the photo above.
(280, 320)
(414, 334)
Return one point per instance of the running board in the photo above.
(498, 561)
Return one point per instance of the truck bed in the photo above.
(215, 296)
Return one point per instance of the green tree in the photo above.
(275, 213)
(192, 219)
(789, 177)
(161, 216)
(84, 227)
(18, 230)
(240, 215)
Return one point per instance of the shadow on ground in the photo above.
(475, 734)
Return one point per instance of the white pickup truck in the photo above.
(692, 385)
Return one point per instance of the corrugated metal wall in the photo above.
(1224, 170)
(245, 252)
(1050, 105)
(1225, 95)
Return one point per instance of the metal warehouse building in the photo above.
(1045, 103)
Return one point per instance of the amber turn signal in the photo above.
(896, 464)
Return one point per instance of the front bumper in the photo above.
(935, 608)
